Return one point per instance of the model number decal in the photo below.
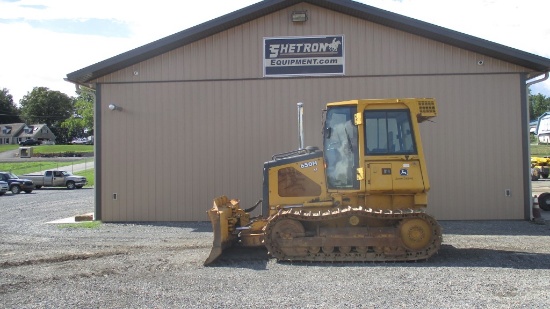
(308, 164)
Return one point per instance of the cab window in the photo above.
(388, 132)
(341, 148)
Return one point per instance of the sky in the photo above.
(44, 40)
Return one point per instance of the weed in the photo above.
(83, 225)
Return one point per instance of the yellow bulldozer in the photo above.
(361, 198)
(540, 167)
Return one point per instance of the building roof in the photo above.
(539, 120)
(352, 8)
(11, 129)
(22, 130)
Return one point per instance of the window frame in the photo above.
(400, 132)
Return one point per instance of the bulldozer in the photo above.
(361, 198)
(540, 167)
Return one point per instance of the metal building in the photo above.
(196, 114)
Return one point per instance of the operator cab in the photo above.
(374, 141)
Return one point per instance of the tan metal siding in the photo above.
(370, 49)
(199, 121)
(474, 150)
(175, 146)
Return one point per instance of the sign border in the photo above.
(343, 73)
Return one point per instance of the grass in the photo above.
(20, 168)
(63, 148)
(83, 225)
(8, 147)
(540, 150)
(53, 148)
(89, 174)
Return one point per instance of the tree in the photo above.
(8, 111)
(538, 105)
(82, 119)
(49, 107)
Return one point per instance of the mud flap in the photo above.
(222, 218)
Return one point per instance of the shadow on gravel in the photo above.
(243, 257)
(195, 227)
(450, 256)
(60, 189)
(511, 228)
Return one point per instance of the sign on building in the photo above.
(312, 55)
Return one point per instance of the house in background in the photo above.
(542, 130)
(14, 133)
(9, 132)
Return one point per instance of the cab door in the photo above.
(58, 179)
(391, 157)
(48, 178)
(341, 148)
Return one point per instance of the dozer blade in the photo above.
(217, 249)
(221, 217)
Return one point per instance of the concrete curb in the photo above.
(75, 219)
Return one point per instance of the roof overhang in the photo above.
(533, 62)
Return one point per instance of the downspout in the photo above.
(97, 202)
(527, 85)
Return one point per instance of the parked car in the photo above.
(79, 141)
(16, 184)
(29, 142)
(83, 140)
(3, 187)
(57, 179)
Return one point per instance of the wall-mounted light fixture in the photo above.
(299, 16)
(114, 107)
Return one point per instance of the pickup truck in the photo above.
(17, 184)
(57, 179)
(29, 142)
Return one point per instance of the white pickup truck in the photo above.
(57, 179)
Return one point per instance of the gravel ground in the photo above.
(482, 264)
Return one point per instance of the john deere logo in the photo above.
(403, 172)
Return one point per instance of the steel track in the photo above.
(401, 253)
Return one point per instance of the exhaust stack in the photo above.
(301, 124)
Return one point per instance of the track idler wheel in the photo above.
(314, 250)
(344, 249)
(288, 229)
(415, 233)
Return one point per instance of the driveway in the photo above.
(8, 155)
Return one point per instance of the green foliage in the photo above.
(8, 110)
(533, 139)
(83, 116)
(43, 105)
(538, 105)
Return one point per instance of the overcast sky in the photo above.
(43, 40)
